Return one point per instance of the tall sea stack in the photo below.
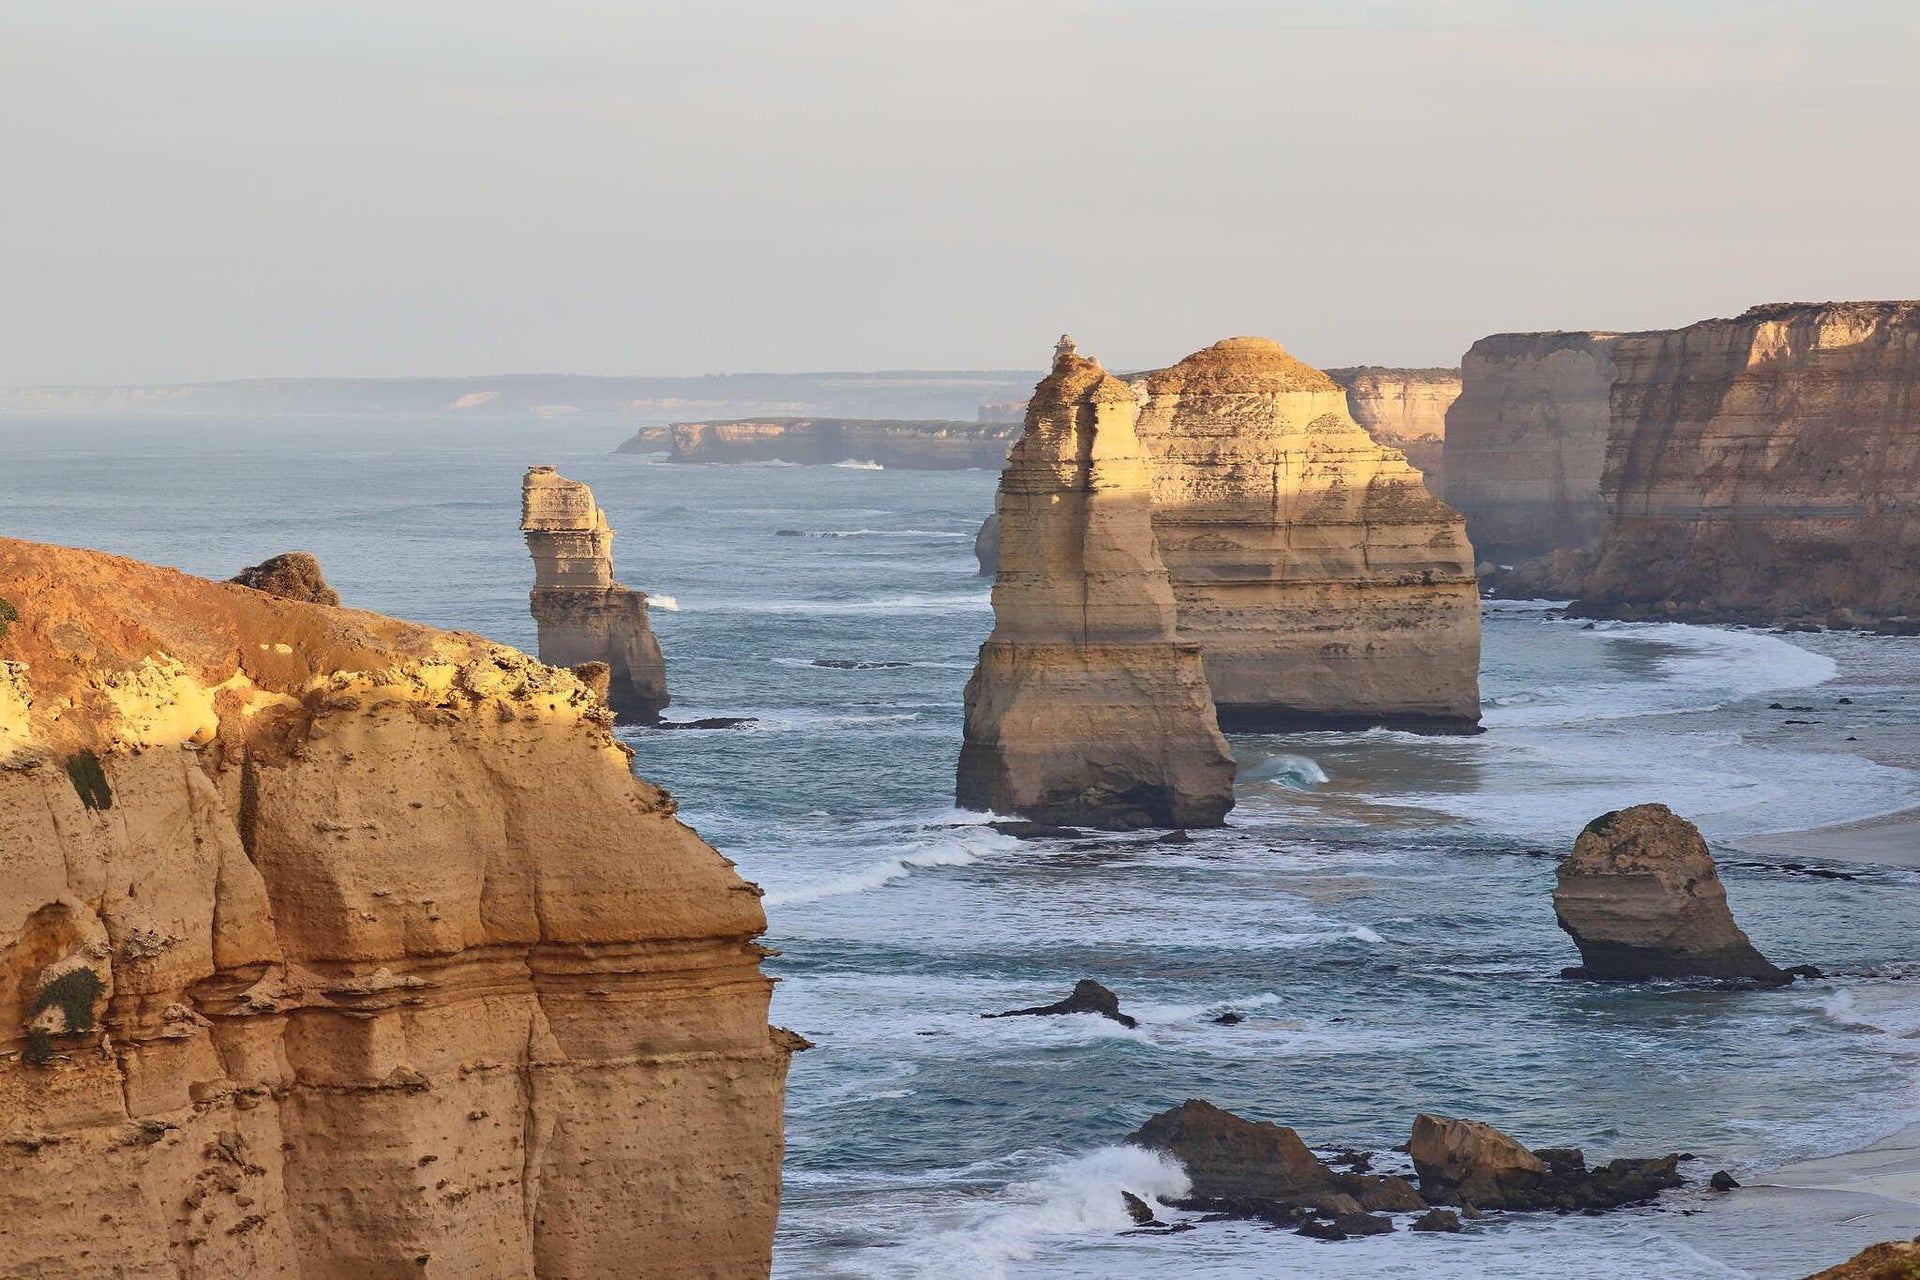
(1326, 586)
(1084, 707)
(583, 615)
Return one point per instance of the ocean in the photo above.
(1378, 909)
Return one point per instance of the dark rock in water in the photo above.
(1088, 997)
(789, 533)
(848, 664)
(294, 575)
(1315, 1229)
(1641, 898)
(1722, 1181)
(1381, 1193)
(1465, 1162)
(1349, 1159)
(1229, 1019)
(1177, 836)
(1364, 1224)
(1227, 1156)
(709, 722)
(1436, 1220)
(1275, 1213)
(1776, 706)
(1804, 971)
(1138, 1210)
(1843, 702)
(1022, 830)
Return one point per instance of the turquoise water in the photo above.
(1378, 909)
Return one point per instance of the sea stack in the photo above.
(1642, 900)
(334, 946)
(583, 615)
(1326, 586)
(1084, 707)
(1766, 469)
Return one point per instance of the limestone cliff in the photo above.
(1405, 409)
(1526, 441)
(1326, 586)
(1766, 468)
(338, 947)
(582, 613)
(1084, 707)
(907, 444)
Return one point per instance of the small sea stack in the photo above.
(1642, 900)
(1084, 707)
(584, 616)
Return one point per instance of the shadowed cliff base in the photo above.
(1241, 718)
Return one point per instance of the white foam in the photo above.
(657, 600)
(875, 875)
(852, 464)
(1298, 772)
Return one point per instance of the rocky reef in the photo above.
(1526, 441)
(897, 443)
(1642, 899)
(1405, 409)
(584, 616)
(1766, 469)
(1084, 707)
(339, 947)
(1325, 585)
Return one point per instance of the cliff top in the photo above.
(1786, 310)
(1431, 375)
(1077, 379)
(1240, 365)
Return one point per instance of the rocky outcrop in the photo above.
(1526, 441)
(1897, 1260)
(339, 947)
(1405, 409)
(1641, 898)
(1087, 996)
(583, 615)
(1084, 707)
(1465, 1162)
(293, 575)
(1325, 585)
(931, 445)
(1226, 1156)
(1766, 468)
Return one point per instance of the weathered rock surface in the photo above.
(1766, 468)
(293, 575)
(1526, 442)
(336, 947)
(1896, 1260)
(922, 445)
(1465, 1162)
(584, 616)
(1326, 586)
(1088, 996)
(1084, 708)
(1405, 409)
(986, 546)
(1227, 1156)
(1642, 899)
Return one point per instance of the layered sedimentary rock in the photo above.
(583, 615)
(1766, 468)
(929, 445)
(1466, 1162)
(986, 546)
(1526, 441)
(1642, 899)
(293, 575)
(1326, 586)
(338, 947)
(1405, 409)
(1084, 707)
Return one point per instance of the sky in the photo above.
(246, 188)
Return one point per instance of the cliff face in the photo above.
(340, 947)
(1083, 708)
(582, 613)
(1527, 439)
(1405, 409)
(931, 446)
(1766, 468)
(1326, 586)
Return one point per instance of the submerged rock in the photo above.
(1088, 997)
(293, 575)
(1641, 898)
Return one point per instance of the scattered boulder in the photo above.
(1227, 1156)
(294, 575)
(1468, 1163)
(1436, 1220)
(1642, 900)
(1898, 1260)
(1088, 997)
(1723, 1181)
(1138, 1210)
(1230, 1019)
(1022, 830)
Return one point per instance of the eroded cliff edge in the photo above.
(1405, 409)
(336, 946)
(932, 445)
(1766, 468)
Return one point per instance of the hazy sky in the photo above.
(214, 190)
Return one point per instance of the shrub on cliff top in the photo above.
(73, 993)
(8, 616)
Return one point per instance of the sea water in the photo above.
(1378, 909)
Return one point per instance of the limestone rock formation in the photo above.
(1642, 899)
(293, 575)
(1526, 441)
(895, 443)
(1895, 1260)
(337, 947)
(1083, 707)
(1227, 1156)
(1326, 586)
(1466, 1162)
(584, 616)
(1766, 468)
(1405, 409)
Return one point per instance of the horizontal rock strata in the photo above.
(337, 947)
(925, 445)
(583, 615)
(1405, 409)
(1325, 585)
(1083, 707)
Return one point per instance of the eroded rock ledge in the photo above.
(335, 946)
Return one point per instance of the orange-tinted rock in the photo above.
(1897, 1260)
(294, 575)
